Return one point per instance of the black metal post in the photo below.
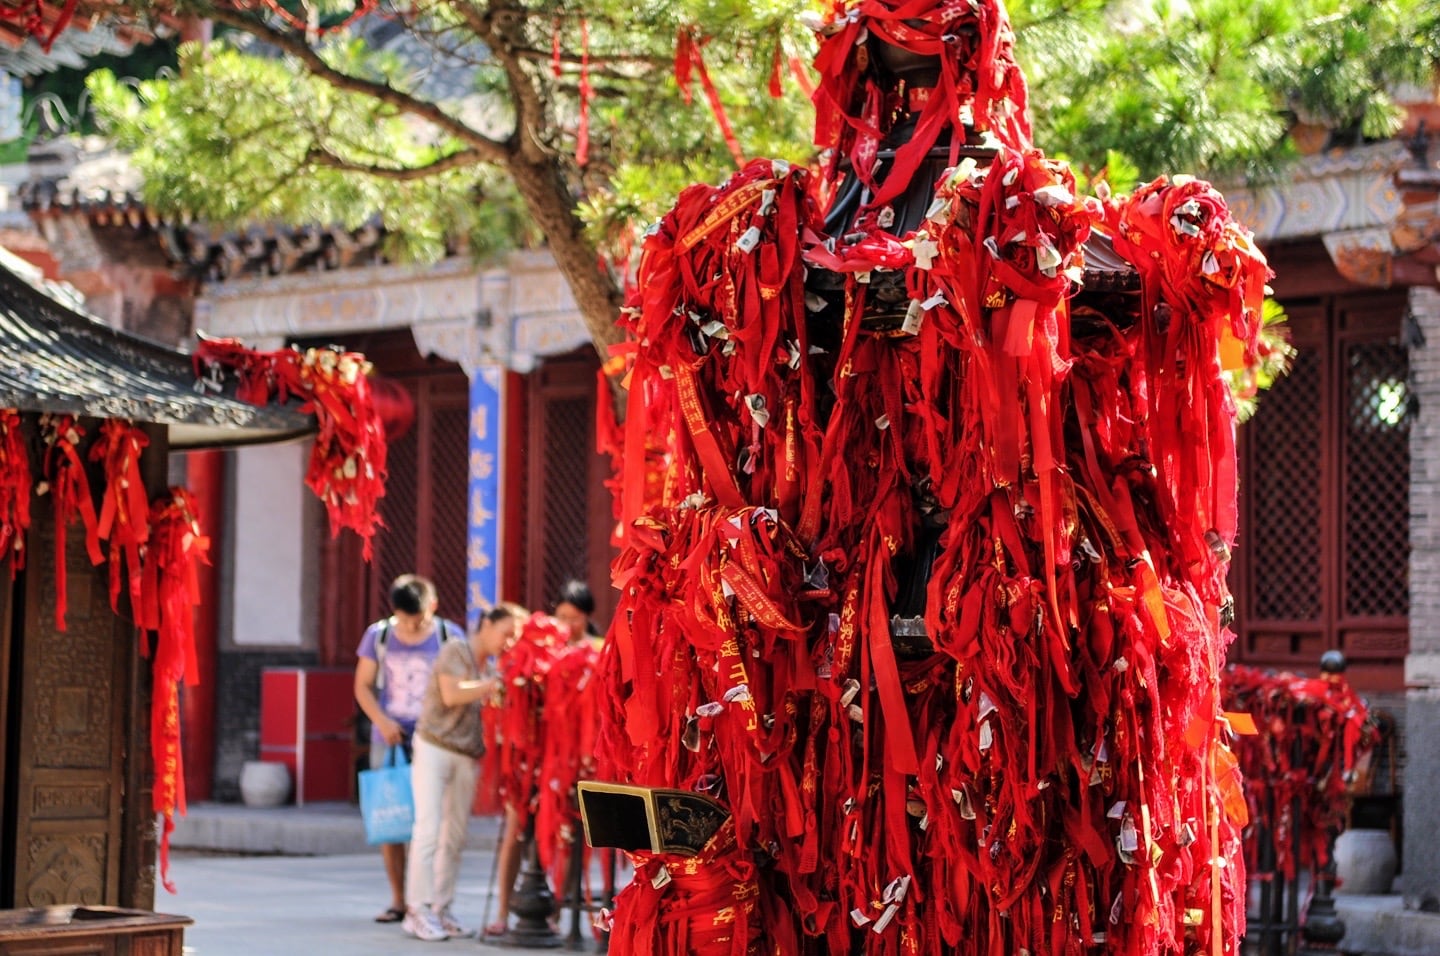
(602, 942)
(1324, 929)
(575, 941)
(1323, 926)
(1269, 873)
(533, 904)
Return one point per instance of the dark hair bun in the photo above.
(407, 598)
(578, 594)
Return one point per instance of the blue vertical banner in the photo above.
(482, 575)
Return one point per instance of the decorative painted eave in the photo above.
(1373, 207)
(1348, 190)
(204, 252)
(513, 313)
(88, 33)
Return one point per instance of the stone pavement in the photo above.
(300, 881)
(304, 906)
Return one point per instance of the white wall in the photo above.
(269, 536)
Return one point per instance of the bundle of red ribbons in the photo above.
(1312, 733)
(347, 460)
(1048, 770)
(545, 731)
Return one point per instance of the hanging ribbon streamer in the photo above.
(171, 568)
(347, 461)
(124, 511)
(15, 487)
(521, 728)
(688, 57)
(571, 716)
(69, 489)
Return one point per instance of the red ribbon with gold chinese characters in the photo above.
(172, 591)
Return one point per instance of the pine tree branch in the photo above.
(319, 156)
(500, 26)
(481, 146)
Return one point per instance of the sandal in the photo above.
(392, 915)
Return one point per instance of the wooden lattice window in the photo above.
(1324, 541)
(1376, 448)
(1282, 533)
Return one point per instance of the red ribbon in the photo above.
(688, 56)
(1312, 732)
(172, 593)
(70, 491)
(15, 486)
(582, 136)
(1050, 778)
(124, 518)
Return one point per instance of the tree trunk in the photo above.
(548, 199)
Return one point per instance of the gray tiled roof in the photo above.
(56, 359)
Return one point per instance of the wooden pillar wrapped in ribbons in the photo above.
(932, 596)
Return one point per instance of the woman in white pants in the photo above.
(447, 741)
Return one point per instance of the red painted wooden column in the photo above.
(513, 478)
(205, 473)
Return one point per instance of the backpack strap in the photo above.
(381, 640)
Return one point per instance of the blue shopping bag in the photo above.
(387, 803)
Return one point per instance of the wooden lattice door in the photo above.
(424, 508)
(1324, 543)
(568, 510)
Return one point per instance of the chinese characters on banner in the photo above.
(482, 574)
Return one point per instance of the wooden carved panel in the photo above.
(66, 868)
(70, 802)
(70, 768)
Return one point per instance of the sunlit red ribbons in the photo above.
(582, 134)
(521, 730)
(1059, 759)
(348, 459)
(15, 488)
(850, 103)
(571, 715)
(1055, 776)
(173, 555)
(69, 488)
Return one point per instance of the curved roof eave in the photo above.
(56, 359)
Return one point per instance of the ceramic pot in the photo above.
(1365, 862)
(264, 783)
